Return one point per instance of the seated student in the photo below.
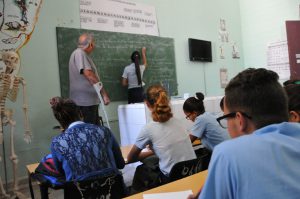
(222, 104)
(262, 161)
(83, 151)
(165, 136)
(292, 88)
(291, 82)
(205, 125)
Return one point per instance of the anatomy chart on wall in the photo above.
(278, 59)
(118, 16)
(223, 33)
(221, 47)
(17, 21)
(223, 77)
(226, 43)
(235, 51)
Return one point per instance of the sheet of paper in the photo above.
(169, 195)
(145, 150)
(278, 59)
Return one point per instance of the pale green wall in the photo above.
(177, 19)
(180, 20)
(199, 19)
(263, 22)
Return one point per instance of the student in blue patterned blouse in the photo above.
(83, 151)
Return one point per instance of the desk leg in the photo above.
(44, 191)
(30, 186)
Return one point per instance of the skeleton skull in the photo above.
(11, 61)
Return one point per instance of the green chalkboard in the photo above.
(112, 54)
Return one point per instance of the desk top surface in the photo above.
(31, 167)
(124, 149)
(193, 182)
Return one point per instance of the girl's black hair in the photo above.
(194, 104)
(135, 58)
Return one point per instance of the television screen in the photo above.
(200, 50)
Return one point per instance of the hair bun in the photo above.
(200, 96)
(54, 101)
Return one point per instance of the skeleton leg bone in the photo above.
(14, 158)
(3, 193)
(2, 190)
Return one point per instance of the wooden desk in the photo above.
(124, 149)
(196, 142)
(193, 182)
(31, 167)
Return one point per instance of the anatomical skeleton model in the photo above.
(9, 86)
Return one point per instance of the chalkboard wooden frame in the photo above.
(112, 54)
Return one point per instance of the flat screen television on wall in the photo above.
(200, 50)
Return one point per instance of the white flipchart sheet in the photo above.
(118, 16)
(278, 59)
(169, 195)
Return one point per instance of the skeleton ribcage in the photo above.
(8, 89)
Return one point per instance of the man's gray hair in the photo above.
(85, 40)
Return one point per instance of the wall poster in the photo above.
(118, 16)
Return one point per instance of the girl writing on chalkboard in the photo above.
(132, 77)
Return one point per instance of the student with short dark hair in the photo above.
(262, 161)
(292, 82)
(293, 92)
(222, 104)
(205, 125)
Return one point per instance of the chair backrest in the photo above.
(205, 155)
(189, 167)
(106, 187)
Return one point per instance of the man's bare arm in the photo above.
(90, 75)
(93, 79)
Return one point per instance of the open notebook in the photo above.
(169, 195)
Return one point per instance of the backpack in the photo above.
(47, 173)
